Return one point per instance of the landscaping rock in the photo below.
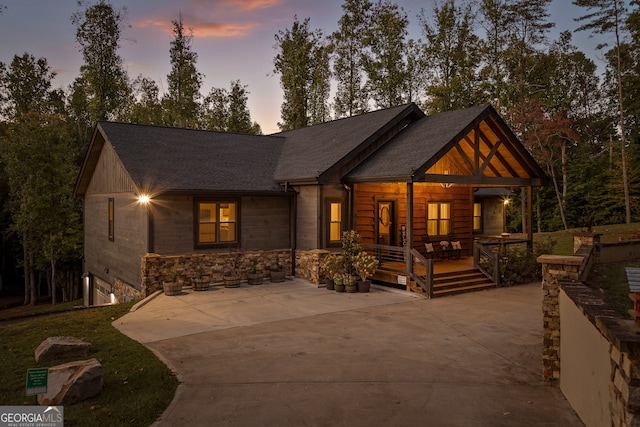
(54, 348)
(72, 383)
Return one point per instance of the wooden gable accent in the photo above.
(109, 176)
(485, 155)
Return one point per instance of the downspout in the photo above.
(350, 204)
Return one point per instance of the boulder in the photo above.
(54, 348)
(72, 382)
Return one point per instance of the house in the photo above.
(157, 198)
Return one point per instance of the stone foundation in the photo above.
(308, 265)
(155, 268)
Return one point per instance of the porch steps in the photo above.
(460, 281)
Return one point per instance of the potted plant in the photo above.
(201, 281)
(330, 268)
(366, 266)
(232, 276)
(254, 276)
(349, 283)
(276, 272)
(172, 285)
(338, 283)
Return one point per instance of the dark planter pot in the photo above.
(351, 289)
(339, 287)
(231, 281)
(172, 288)
(254, 278)
(277, 276)
(330, 284)
(201, 284)
(364, 286)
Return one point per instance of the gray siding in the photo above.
(109, 175)
(309, 216)
(119, 258)
(264, 223)
(492, 217)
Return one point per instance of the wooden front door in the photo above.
(386, 214)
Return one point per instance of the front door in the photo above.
(386, 213)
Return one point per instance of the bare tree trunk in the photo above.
(538, 212)
(32, 277)
(558, 196)
(25, 254)
(53, 281)
(523, 207)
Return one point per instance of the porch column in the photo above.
(409, 215)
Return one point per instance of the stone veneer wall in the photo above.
(155, 268)
(561, 272)
(308, 264)
(554, 269)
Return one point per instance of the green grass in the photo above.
(610, 279)
(137, 387)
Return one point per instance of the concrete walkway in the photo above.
(292, 354)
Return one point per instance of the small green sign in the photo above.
(37, 379)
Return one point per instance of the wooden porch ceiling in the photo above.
(484, 156)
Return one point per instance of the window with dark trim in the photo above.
(217, 222)
(477, 217)
(438, 218)
(111, 219)
(334, 213)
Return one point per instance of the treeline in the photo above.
(582, 126)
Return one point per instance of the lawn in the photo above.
(610, 279)
(137, 387)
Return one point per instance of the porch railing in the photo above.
(404, 261)
(486, 258)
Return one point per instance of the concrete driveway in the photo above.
(292, 354)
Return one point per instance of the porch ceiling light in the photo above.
(446, 184)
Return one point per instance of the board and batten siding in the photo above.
(264, 223)
(119, 258)
(308, 217)
(461, 198)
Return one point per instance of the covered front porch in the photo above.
(419, 193)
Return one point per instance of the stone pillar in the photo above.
(555, 268)
(585, 239)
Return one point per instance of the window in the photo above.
(438, 218)
(217, 222)
(477, 217)
(335, 222)
(111, 218)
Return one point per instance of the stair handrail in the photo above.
(493, 258)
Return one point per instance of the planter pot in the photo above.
(172, 288)
(351, 289)
(277, 276)
(339, 287)
(364, 286)
(231, 281)
(330, 284)
(201, 284)
(254, 278)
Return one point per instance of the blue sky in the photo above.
(234, 39)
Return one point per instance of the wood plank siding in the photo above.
(460, 197)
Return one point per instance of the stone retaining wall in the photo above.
(308, 265)
(156, 268)
(560, 275)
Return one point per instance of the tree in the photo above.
(145, 107)
(227, 111)
(36, 148)
(451, 50)
(605, 17)
(496, 21)
(383, 59)
(296, 64)
(103, 79)
(182, 107)
(347, 45)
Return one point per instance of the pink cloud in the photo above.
(250, 5)
(222, 30)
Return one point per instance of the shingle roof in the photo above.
(311, 151)
(187, 160)
(421, 142)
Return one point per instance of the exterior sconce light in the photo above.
(144, 199)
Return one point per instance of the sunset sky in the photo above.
(234, 39)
